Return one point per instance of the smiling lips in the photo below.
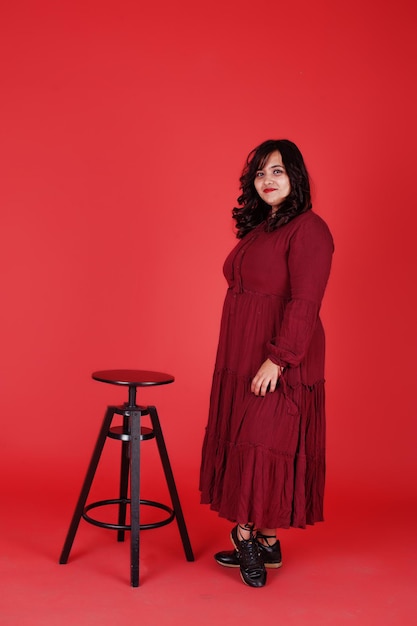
(269, 190)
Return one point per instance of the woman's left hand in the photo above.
(266, 378)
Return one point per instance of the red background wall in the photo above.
(123, 132)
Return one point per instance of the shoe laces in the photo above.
(266, 539)
(249, 555)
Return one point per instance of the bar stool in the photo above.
(130, 433)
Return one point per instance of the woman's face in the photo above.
(272, 182)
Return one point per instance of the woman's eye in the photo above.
(278, 171)
(259, 174)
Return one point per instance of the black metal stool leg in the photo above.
(135, 432)
(86, 485)
(124, 480)
(171, 482)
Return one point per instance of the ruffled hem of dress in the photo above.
(271, 492)
(280, 485)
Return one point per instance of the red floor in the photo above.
(335, 573)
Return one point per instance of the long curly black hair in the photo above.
(252, 210)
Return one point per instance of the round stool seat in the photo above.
(133, 378)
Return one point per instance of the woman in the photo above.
(263, 461)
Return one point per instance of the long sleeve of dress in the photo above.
(309, 260)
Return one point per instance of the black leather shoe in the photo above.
(227, 558)
(252, 568)
(271, 556)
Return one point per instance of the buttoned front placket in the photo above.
(238, 260)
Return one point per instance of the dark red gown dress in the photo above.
(263, 458)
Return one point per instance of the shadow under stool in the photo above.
(130, 433)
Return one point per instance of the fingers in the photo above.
(261, 386)
(266, 379)
(262, 383)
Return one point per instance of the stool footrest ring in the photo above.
(157, 505)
